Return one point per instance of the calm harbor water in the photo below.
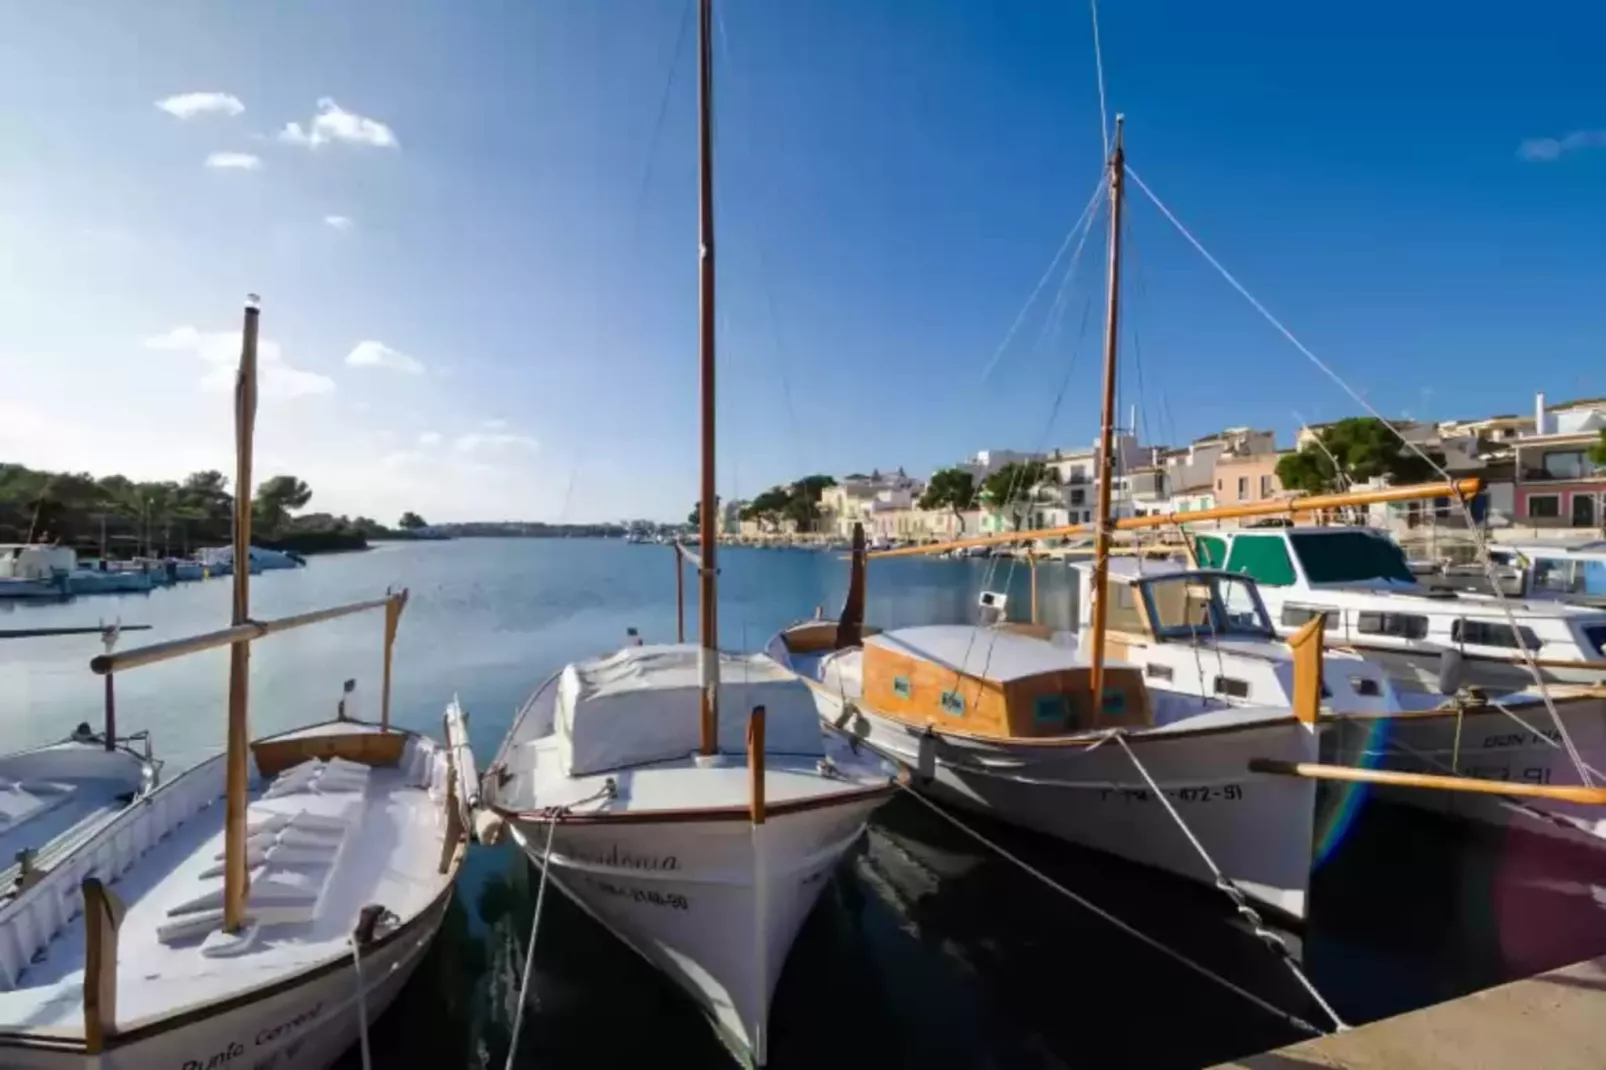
(927, 949)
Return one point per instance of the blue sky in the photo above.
(478, 261)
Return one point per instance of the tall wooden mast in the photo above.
(707, 589)
(1101, 543)
(235, 879)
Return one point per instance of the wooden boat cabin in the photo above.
(1000, 682)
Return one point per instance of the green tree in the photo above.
(410, 521)
(768, 508)
(276, 499)
(1364, 448)
(1012, 486)
(695, 517)
(803, 500)
(1597, 452)
(951, 488)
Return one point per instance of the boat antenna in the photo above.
(1101, 543)
(236, 882)
(708, 573)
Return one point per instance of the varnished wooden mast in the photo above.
(1101, 543)
(707, 576)
(235, 879)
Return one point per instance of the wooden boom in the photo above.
(1555, 792)
(256, 629)
(1464, 488)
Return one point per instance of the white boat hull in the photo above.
(714, 904)
(1491, 746)
(306, 1023)
(1421, 672)
(1259, 829)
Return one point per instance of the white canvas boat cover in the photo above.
(641, 705)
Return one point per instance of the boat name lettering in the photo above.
(625, 860)
(1523, 739)
(1533, 774)
(272, 1033)
(236, 1049)
(648, 896)
(1202, 793)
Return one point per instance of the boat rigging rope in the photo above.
(1273, 941)
(1480, 538)
(1098, 65)
(1136, 934)
(535, 927)
(362, 1005)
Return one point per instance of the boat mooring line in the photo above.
(1136, 934)
(535, 927)
(1240, 902)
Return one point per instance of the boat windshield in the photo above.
(1350, 557)
(1201, 605)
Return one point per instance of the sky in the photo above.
(474, 231)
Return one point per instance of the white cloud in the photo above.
(189, 105)
(233, 161)
(221, 350)
(339, 222)
(371, 354)
(1545, 149)
(476, 441)
(334, 123)
(430, 438)
(494, 425)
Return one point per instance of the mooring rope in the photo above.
(1240, 901)
(529, 953)
(1136, 934)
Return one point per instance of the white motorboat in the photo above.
(1429, 641)
(35, 570)
(220, 560)
(260, 909)
(622, 779)
(1560, 571)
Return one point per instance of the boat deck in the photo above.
(679, 784)
(326, 839)
(53, 797)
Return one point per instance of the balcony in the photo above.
(1564, 474)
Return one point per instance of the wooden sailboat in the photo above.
(260, 909)
(700, 850)
(1002, 719)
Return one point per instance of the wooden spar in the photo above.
(680, 597)
(755, 763)
(235, 878)
(1307, 647)
(1101, 538)
(39, 633)
(1465, 488)
(394, 604)
(103, 917)
(707, 574)
(850, 625)
(1432, 781)
(1031, 559)
(252, 630)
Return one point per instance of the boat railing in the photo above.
(109, 664)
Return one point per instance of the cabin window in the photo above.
(1544, 506)
(1596, 633)
(1402, 625)
(1158, 672)
(1298, 616)
(1114, 702)
(953, 703)
(1350, 557)
(1210, 551)
(1121, 613)
(1262, 558)
(1232, 686)
(1489, 633)
(1050, 710)
(1552, 575)
(900, 686)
